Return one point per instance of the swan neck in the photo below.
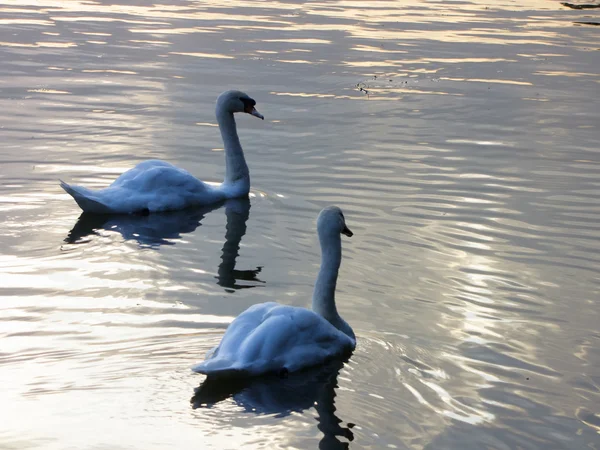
(323, 302)
(236, 169)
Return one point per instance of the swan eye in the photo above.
(342, 215)
(248, 102)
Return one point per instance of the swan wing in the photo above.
(270, 337)
(155, 174)
(159, 186)
(151, 186)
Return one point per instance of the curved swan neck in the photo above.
(323, 301)
(236, 169)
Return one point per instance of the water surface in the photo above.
(461, 141)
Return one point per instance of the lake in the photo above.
(459, 138)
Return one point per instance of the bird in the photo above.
(157, 186)
(274, 338)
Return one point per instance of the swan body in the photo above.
(154, 186)
(270, 337)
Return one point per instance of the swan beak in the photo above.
(346, 231)
(252, 111)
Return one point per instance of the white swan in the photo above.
(270, 337)
(154, 185)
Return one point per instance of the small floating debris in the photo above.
(362, 87)
(581, 6)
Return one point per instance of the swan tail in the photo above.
(220, 368)
(84, 199)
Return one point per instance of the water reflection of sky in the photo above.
(460, 140)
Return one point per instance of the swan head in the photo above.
(331, 220)
(237, 101)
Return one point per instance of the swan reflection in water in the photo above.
(154, 230)
(278, 396)
(237, 212)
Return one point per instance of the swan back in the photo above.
(270, 337)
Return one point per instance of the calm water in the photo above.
(461, 140)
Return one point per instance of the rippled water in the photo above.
(461, 140)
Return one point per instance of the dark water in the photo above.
(461, 140)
